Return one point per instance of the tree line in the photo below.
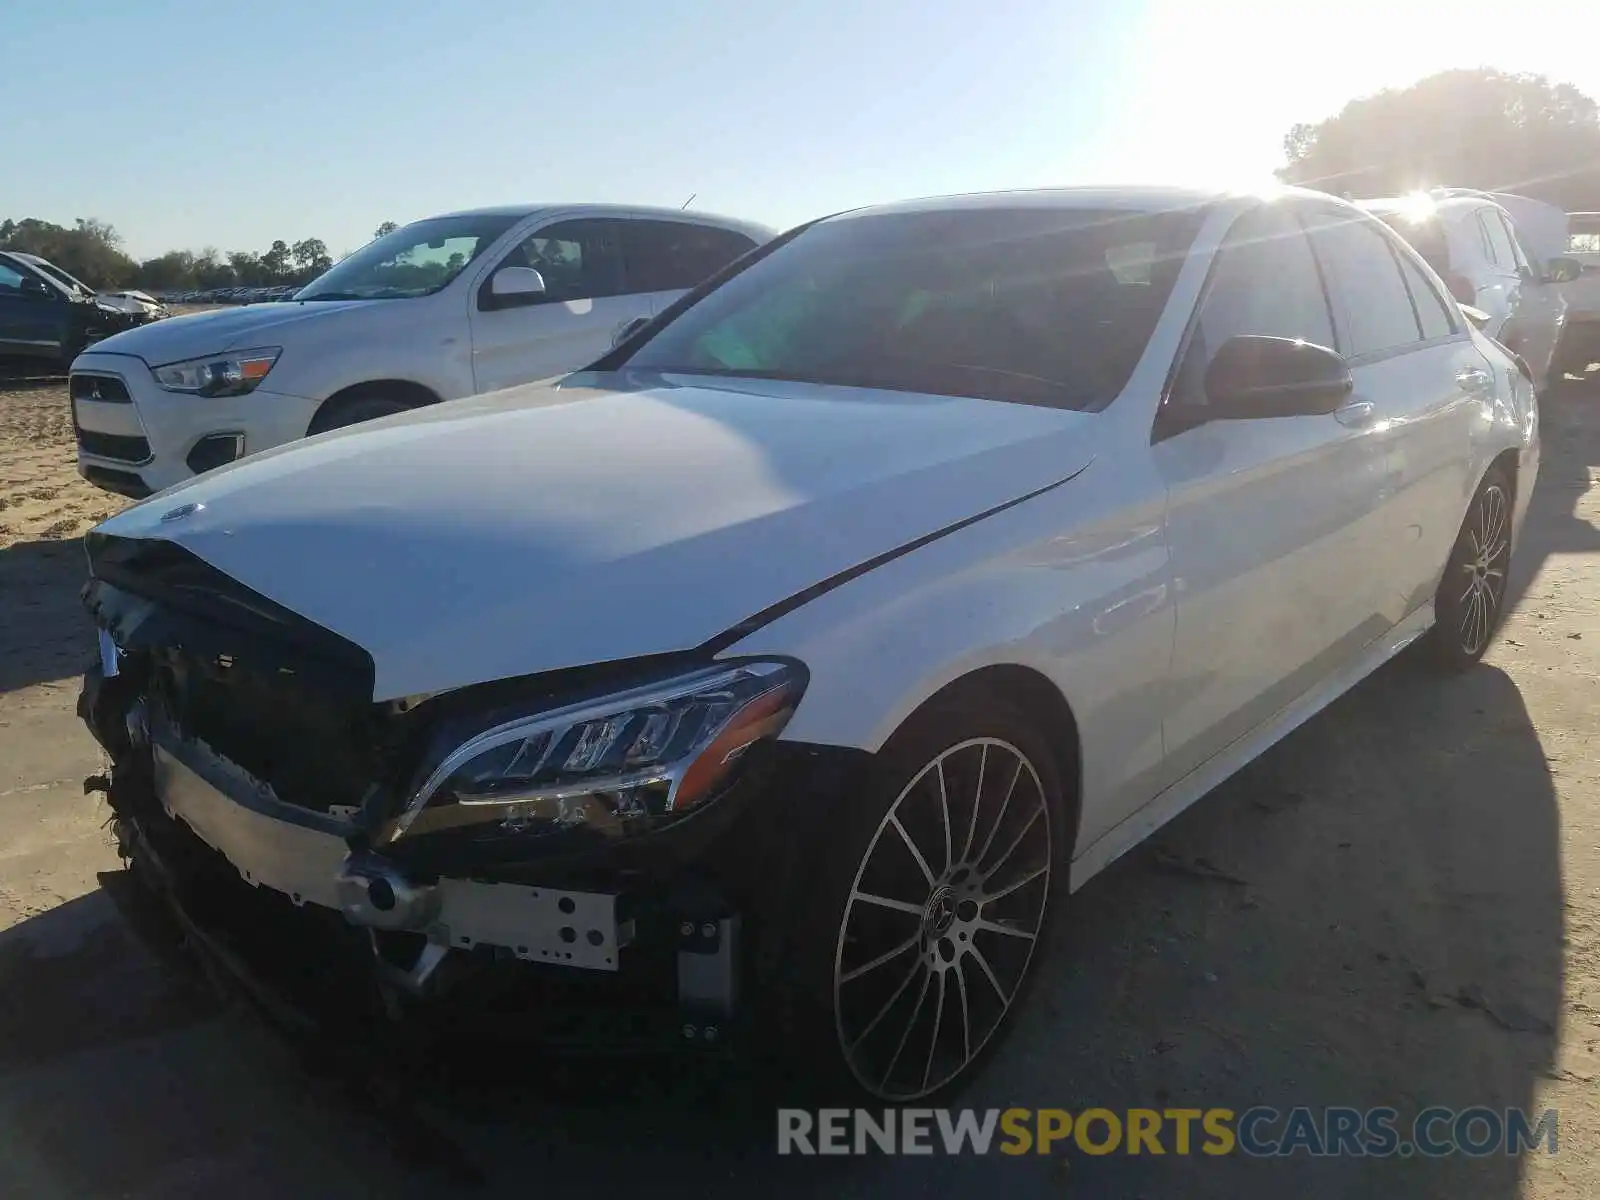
(1466, 128)
(91, 250)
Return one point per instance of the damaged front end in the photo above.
(585, 858)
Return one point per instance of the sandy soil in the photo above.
(1407, 913)
(41, 496)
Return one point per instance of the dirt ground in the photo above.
(1405, 912)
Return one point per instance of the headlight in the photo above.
(231, 374)
(649, 752)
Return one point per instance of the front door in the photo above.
(586, 300)
(1265, 517)
(31, 322)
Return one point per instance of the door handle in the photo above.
(1355, 413)
(1474, 379)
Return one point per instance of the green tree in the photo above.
(1466, 128)
(247, 268)
(312, 257)
(168, 272)
(91, 250)
(276, 260)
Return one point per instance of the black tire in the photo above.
(1472, 591)
(354, 410)
(868, 1022)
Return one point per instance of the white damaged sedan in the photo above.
(775, 677)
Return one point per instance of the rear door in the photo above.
(1418, 380)
(667, 258)
(516, 339)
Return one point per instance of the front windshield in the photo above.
(1048, 306)
(412, 261)
(61, 277)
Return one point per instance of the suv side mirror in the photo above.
(1252, 376)
(1562, 269)
(516, 285)
(37, 289)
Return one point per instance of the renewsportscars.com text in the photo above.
(1259, 1132)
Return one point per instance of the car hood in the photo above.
(557, 525)
(242, 328)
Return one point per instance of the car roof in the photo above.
(615, 210)
(1423, 209)
(1134, 198)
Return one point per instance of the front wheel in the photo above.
(933, 902)
(355, 410)
(1472, 592)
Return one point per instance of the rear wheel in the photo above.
(1471, 595)
(934, 898)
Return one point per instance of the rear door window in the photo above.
(1363, 273)
(1432, 311)
(673, 256)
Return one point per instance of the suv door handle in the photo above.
(1355, 413)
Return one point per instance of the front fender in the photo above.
(1074, 585)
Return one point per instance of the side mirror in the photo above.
(1562, 269)
(1479, 318)
(511, 282)
(1251, 377)
(627, 329)
(38, 289)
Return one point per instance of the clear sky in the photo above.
(188, 123)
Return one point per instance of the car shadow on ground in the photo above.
(44, 632)
(1570, 418)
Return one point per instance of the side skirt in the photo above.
(1121, 838)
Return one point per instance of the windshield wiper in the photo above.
(332, 296)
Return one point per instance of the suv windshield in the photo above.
(1048, 306)
(412, 261)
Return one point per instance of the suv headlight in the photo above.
(647, 752)
(230, 374)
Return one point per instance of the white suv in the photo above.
(1482, 254)
(442, 308)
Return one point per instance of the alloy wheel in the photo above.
(942, 919)
(1482, 578)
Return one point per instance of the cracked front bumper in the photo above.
(291, 903)
(304, 857)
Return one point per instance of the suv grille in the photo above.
(107, 389)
